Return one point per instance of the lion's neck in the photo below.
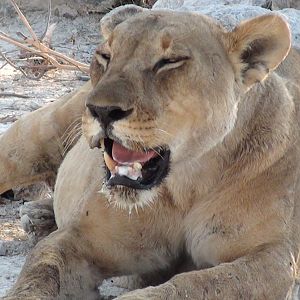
(259, 138)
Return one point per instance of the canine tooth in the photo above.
(110, 163)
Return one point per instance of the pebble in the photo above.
(3, 249)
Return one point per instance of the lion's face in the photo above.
(165, 92)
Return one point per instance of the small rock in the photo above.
(280, 4)
(66, 11)
(108, 290)
(3, 249)
(26, 224)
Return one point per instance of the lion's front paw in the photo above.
(163, 291)
(38, 217)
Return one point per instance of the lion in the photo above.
(187, 170)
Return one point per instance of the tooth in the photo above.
(128, 172)
(137, 166)
(123, 171)
(110, 163)
(134, 174)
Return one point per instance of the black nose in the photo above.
(108, 114)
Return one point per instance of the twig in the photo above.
(80, 66)
(13, 95)
(22, 35)
(29, 58)
(48, 35)
(76, 65)
(18, 68)
(24, 20)
(19, 44)
(3, 65)
(45, 57)
(48, 20)
(40, 67)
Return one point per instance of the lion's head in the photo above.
(166, 88)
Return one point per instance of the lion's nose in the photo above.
(108, 114)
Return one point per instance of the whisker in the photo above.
(71, 129)
(67, 146)
(69, 132)
(70, 139)
(164, 131)
(157, 152)
(142, 142)
(78, 119)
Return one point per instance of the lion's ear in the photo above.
(117, 16)
(257, 46)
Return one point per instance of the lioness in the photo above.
(188, 163)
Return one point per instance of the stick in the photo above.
(76, 65)
(41, 49)
(48, 20)
(15, 66)
(3, 65)
(13, 95)
(24, 20)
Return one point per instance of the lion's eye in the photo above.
(169, 63)
(106, 56)
(103, 58)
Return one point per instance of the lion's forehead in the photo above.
(150, 27)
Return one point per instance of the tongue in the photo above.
(125, 156)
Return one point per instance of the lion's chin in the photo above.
(129, 199)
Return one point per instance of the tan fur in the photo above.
(230, 200)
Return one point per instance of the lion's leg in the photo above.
(33, 148)
(266, 274)
(59, 267)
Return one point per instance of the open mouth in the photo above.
(133, 169)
